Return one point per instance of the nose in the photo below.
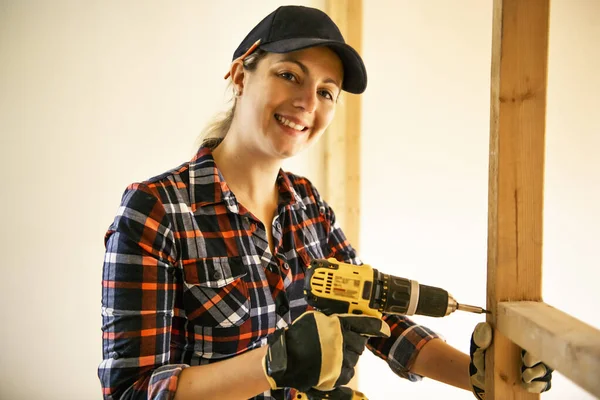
(306, 99)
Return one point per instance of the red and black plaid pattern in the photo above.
(188, 278)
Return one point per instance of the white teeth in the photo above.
(289, 123)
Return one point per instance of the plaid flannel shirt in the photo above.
(188, 279)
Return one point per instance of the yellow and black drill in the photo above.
(334, 287)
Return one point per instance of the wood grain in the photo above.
(565, 343)
(516, 176)
(342, 150)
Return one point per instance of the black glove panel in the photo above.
(319, 351)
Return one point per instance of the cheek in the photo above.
(325, 118)
(322, 122)
(258, 103)
(272, 94)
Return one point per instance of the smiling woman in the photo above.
(205, 263)
(204, 269)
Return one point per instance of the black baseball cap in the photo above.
(291, 28)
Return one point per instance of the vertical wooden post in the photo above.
(342, 149)
(342, 139)
(517, 128)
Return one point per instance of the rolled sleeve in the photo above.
(163, 382)
(401, 349)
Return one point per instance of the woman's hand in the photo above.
(535, 375)
(319, 351)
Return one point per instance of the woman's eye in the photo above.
(288, 76)
(326, 94)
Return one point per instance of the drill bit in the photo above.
(472, 309)
(453, 305)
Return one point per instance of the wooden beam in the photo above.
(342, 147)
(342, 139)
(566, 344)
(517, 127)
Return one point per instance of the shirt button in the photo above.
(286, 266)
(217, 275)
(277, 225)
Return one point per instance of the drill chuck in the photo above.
(395, 295)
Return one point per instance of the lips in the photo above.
(297, 126)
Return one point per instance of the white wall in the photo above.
(425, 159)
(95, 95)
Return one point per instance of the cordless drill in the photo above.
(335, 287)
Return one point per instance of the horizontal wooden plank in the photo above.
(565, 343)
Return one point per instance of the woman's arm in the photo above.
(138, 297)
(241, 377)
(442, 362)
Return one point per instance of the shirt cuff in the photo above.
(405, 349)
(163, 381)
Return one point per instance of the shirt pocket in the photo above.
(215, 292)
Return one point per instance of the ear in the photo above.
(237, 76)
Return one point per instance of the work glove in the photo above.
(319, 351)
(535, 375)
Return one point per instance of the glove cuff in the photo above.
(275, 361)
(271, 381)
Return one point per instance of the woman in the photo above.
(206, 262)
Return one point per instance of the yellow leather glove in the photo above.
(319, 351)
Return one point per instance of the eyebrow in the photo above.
(304, 69)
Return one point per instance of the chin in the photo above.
(287, 153)
(287, 150)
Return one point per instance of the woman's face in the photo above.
(289, 100)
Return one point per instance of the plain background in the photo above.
(96, 94)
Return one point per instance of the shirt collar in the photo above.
(208, 186)
(287, 193)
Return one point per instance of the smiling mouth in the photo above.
(290, 124)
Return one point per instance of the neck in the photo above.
(251, 177)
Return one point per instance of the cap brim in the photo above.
(355, 73)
